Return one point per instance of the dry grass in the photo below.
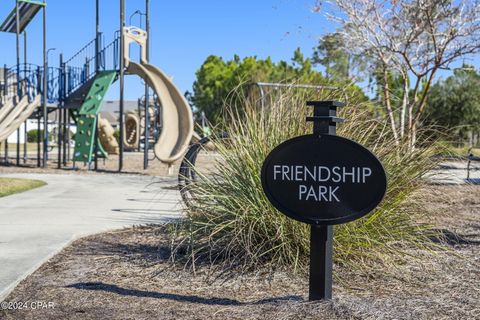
(232, 223)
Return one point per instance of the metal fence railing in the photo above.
(26, 78)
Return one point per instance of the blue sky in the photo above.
(183, 33)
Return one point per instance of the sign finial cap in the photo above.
(326, 104)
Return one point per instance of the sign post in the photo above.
(322, 179)
(321, 236)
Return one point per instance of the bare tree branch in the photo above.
(409, 38)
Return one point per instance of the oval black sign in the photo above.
(323, 179)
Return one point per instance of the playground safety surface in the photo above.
(127, 274)
(132, 164)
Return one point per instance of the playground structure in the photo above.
(77, 88)
(132, 130)
(134, 127)
(107, 137)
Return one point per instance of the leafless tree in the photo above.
(412, 39)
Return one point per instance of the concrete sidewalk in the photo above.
(36, 224)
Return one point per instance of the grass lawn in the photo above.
(12, 147)
(10, 186)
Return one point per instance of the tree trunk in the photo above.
(413, 136)
(404, 106)
(388, 105)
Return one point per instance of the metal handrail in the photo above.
(84, 48)
(80, 73)
(23, 77)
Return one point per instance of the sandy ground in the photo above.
(127, 275)
(132, 164)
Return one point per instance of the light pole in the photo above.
(48, 51)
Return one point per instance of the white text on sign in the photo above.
(335, 174)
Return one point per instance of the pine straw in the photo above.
(129, 274)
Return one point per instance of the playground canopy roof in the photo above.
(28, 9)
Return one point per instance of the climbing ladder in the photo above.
(86, 118)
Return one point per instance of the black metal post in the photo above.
(97, 68)
(95, 146)
(4, 87)
(59, 137)
(68, 136)
(17, 33)
(321, 236)
(25, 131)
(66, 113)
(18, 147)
(321, 249)
(122, 83)
(63, 85)
(5, 81)
(5, 92)
(60, 115)
(39, 139)
(146, 137)
(97, 35)
(39, 79)
(6, 151)
(65, 136)
(45, 88)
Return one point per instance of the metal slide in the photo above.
(13, 115)
(177, 119)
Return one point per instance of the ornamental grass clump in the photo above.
(231, 223)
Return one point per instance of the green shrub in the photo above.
(231, 221)
(32, 135)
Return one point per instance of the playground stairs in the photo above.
(86, 118)
(75, 99)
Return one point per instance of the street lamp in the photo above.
(48, 51)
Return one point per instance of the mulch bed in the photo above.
(127, 274)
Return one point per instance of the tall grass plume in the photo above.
(231, 223)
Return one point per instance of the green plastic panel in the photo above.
(84, 138)
(86, 118)
(93, 101)
(101, 151)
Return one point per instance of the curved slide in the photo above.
(177, 119)
(18, 113)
